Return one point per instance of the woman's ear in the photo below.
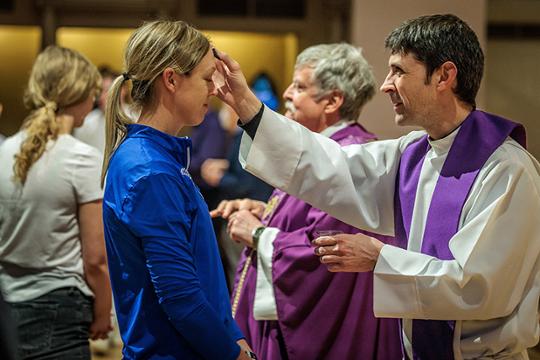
(170, 79)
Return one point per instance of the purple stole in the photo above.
(479, 136)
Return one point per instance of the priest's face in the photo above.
(411, 93)
(301, 101)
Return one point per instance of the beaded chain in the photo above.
(240, 285)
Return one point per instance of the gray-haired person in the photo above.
(331, 84)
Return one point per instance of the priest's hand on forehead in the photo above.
(235, 91)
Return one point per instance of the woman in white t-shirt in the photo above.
(53, 269)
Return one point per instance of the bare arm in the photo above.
(95, 266)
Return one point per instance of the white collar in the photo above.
(442, 146)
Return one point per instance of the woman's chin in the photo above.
(198, 121)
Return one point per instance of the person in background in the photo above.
(211, 140)
(458, 196)
(92, 131)
(230, 180)
(228, 177)
(8, 330)
(331, 84)
(169, 288)
(53, 267)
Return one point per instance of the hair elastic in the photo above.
(51, 105)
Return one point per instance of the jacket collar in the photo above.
(179, 147)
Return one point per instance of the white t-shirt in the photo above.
(40, 245)
(92, 130)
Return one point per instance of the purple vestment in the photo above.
(322, 315)
(478, 137)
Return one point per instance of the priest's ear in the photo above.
(334, 101)
(447, 76)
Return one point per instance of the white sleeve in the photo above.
(264, 304)
(354, 183)
(496, 251)
(87, 175)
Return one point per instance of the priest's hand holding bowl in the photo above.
(348, 252)
(241, 225)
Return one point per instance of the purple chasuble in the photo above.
(322, 315)
(479, 136)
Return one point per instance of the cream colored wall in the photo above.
(514, 11)
(101, 46)
(272, 53)
(19, 47)
(372, 21)
(512, 80)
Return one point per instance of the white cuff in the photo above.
(264, 304)
(394, 293)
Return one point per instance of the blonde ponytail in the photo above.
(60, 78)
(116, 122)
(40, 127)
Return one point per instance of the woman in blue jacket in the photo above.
(168, 283)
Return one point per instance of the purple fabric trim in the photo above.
(479, 136)
(408, 176)
(353, 134)
(457, 176)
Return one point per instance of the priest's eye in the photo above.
(397, 71)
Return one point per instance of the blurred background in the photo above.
(266, 35)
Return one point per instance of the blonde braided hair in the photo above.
(59, 78)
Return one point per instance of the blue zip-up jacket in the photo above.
(168, 283)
